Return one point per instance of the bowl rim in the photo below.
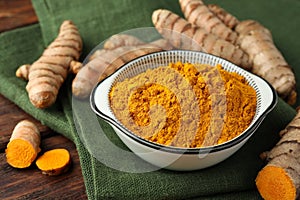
(182, 150)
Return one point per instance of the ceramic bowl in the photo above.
(175, 158)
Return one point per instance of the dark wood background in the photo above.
(30, 183)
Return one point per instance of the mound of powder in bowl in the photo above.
(184, 105)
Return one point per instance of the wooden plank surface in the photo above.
(16, 13)
(30, 183)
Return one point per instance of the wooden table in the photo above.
(30, 183)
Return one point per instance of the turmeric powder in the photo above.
(23, 146)
(54, 162)
(247, 43)
(226, 104)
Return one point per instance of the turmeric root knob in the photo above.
(54, 162)
(23, 71)
(23, 146)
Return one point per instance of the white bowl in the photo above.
(176, 158)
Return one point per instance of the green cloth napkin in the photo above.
(234, 178)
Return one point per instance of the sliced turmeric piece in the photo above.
(23, 146)
(280, 178)
(277, 186)
(54, 162)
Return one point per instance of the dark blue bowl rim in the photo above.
(179, 150)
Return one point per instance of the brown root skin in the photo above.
(160, 43)
(280, 178)
(54, 162)
(264, 155)
(268, 62)
(228, 19)
(163, 44)
(47, 74)
(106, 61)
(197, 13)
(181, 34)
(120, 40)
(23, 146)
(23, 71)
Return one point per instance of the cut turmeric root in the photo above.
(54, 162)
(23, 146)
(280, 178)
(48, 73)
(277, 186)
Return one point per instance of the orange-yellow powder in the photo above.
(185, 105)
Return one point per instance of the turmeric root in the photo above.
(252, 37)
(197, 13)
(268, 62)
(176, 30)
(54, 162)
(23, 146)
(107, 61)
(162, 43)
(229, 20)
(47, 74)
(120, 40)
(280, 178)
(23, 71)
